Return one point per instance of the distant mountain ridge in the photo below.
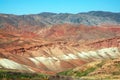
(47, 18)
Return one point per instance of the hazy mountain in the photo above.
(46, 18)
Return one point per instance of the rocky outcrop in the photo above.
(111, 42)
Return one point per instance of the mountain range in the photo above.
(47, 18)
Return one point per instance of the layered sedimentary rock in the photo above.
(50, 42)
(51, 58)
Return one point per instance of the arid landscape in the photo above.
(50, 46)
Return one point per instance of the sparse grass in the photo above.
(118, 65)
(84, 73)
(100, 64)
(116, 73)
(77, 73)
(102, 77)
(66, 73)
(4, 74)
(81, 73)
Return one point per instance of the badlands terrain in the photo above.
(63, 46)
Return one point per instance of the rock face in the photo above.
(47, 19)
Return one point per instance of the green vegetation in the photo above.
(18, 75)
(66, 73)
(84, 73)
(77, 73)
(80, 73)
